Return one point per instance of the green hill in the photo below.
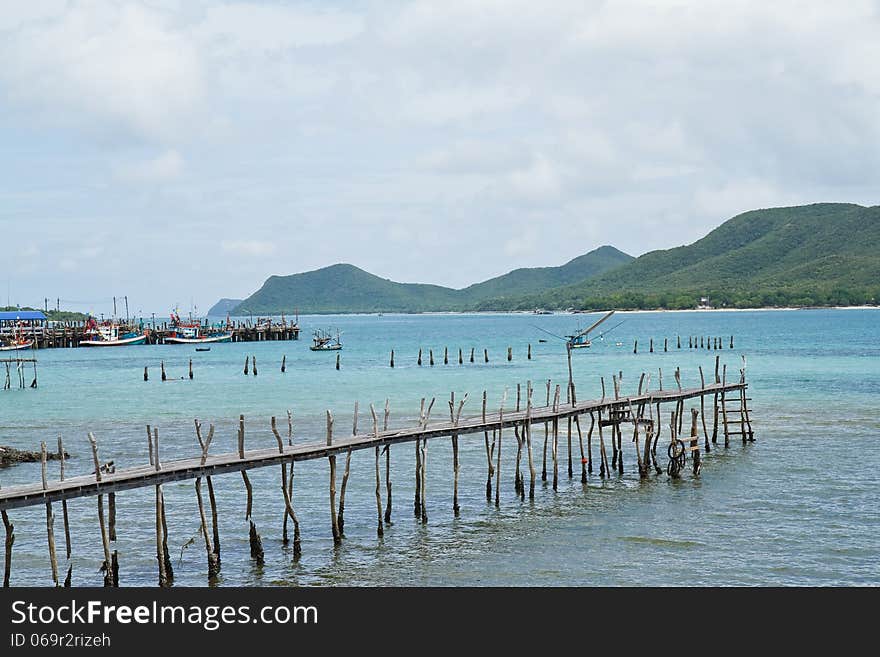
(822, 254)
(222, 307)
(537, 279)
(346, 288)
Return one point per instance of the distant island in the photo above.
(824, 254)
(223, 307)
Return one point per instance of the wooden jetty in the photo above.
(56, 335)
(608, 415)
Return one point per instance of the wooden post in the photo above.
(527, 431)
(213, 558)
(247, 363)
(105, 541)
(724, 406)
(651, 345)
(420, 357)
(639, 462)
(731, 342)
(340, 517)
(162, 366)
(498, 456)
(678, 342)
(485, 355)
(446, 355)
(10, 540)
(455, 417)
(556, 440)
(603, 460)
(472, 354)
(61, 459)
(665, 346)
(460, 358)
(205, 445)
(160, 553)
(509, 354)
(379, 528)
(50, 518)
(284, 362)
(529, 352)
(286, 491)
(489, 467)
(111, 515)
(392, 358)
(332, 459)
(431, 357)
(636, 346)
(387, 466)
(695, 443)
(715, 404)
(337, 360)
(190, 369)
(590, 443)
(546, 437)
(703, 409)
(146, 374)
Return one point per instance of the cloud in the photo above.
(250, 248)
(162, 168)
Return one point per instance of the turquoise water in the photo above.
(796, 507)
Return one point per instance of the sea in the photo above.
(796, 507)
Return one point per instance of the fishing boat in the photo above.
(16, 341)
(324, 341)
(16, 344)
(194, 332)
(580, 339)
(111, 334)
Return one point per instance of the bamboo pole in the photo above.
(590, 443)
(703, 410)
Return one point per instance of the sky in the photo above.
(180, 151)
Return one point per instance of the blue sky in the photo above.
(180, 151)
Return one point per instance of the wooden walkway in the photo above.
(148, 475)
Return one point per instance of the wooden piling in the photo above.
(105, 541)
(162, 366)
(472, 354)
(460, 358)
(286, 491)
(254, 363)
(387, 465)
(160, 553)
(651, 346)
(724, 407)
(703, 411)
(190, 369)
(332, 459)
(337, 361)
(546, 437)
(247, 365)
(498, 455)
(715, 404)
(636, 346)
(678, 342)
(695, 442)
(420, 358)
(446, 355)
(489, 467)
(527, 431)
(213, 559)
(556, 441)
(61, 458)
(529, 352)
(50, 518)
(284, 362)
(146, 374)
(665, 347)
(340, 517)
(10, 540)
(731, 342)
(431, 357)
(485, 355)
(455, 417)
(111, 515)
(590, 443)
(509, 354)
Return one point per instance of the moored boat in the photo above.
(111, 334)
(16, 345)
(324, 341)
(193, 332)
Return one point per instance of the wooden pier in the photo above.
(56, 335)
(641, 412)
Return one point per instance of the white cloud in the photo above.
(162, 168)
(248, 247)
